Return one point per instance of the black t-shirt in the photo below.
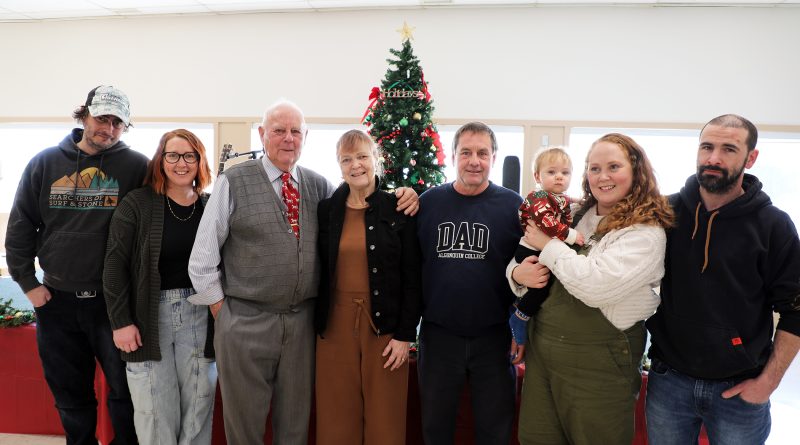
(180, 229)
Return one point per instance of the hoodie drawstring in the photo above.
(708, 232)
(708, 239)
(100, 168)
(77, 176)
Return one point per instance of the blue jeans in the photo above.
(677, 405)
(173, 397)
(71, 333)
(445, 363)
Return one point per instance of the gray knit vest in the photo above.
(262, 259)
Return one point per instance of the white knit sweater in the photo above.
(617, 275)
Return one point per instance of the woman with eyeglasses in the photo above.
(166, 341)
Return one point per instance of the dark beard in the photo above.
(718, 184)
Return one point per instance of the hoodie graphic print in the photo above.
(91, 188)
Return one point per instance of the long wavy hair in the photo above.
(644, 204)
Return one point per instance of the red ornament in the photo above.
(421, 182)
(391, 135)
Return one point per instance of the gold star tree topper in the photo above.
(405, 32)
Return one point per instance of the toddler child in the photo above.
(548, 207)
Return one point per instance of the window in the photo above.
(144, 137)
(20, 143)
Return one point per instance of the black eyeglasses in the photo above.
(172, 157)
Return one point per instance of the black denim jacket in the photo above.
(393, 257)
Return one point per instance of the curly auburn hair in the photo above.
(644, 204)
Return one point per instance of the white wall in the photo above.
(611, 64)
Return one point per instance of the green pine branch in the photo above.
(11, 317)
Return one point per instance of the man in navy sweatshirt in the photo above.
(468, 231)
(60, 215)
(732, 260)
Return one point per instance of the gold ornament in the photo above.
(417, 116)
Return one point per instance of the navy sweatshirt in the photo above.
(467, 242)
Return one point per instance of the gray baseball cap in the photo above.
(105, 100)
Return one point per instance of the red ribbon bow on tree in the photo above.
(376, 92)
(433, 134)
(373, 96)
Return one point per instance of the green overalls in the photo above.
(582, 375)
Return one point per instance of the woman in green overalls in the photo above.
(583, 364)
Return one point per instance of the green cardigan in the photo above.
(131, 281)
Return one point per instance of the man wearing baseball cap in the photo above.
(60, 215)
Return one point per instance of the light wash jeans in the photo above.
(173, 398)
(677, 405)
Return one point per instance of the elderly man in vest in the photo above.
(255, 263)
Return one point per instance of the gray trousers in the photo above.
(265, 357)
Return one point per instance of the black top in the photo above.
(176, 243)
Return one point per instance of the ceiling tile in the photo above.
(48, 5)
(70, 14)
(323, 4)
(255, 5)
(142, 4)
(196, 9)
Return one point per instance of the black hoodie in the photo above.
(726, 271)
(62, 210)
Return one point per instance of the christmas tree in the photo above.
(399, 120)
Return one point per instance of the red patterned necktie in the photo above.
(292, 200)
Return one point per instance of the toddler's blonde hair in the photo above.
(549, 155)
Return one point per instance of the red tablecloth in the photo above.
(27, 407)
(26, 404)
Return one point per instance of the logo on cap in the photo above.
(107, 100)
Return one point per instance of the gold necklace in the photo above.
(176, 216)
